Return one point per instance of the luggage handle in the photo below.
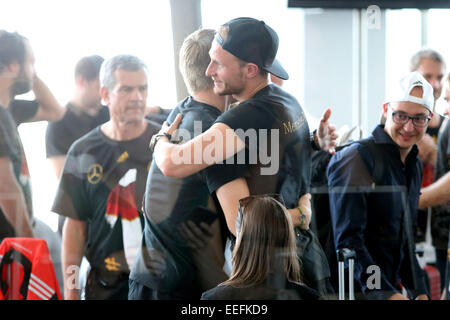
(342, 256)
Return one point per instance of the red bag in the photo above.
(26, 270)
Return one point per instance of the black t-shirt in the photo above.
(60, 135)
(19, 111)
(103, 184)
(170, 202)
(276, 133)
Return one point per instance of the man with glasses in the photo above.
(373, 224)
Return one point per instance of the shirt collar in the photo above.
(381, 137)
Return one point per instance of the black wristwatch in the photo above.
(312, 142)
(156, 137)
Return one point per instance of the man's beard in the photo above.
(21, 85)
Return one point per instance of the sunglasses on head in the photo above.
(247, 200)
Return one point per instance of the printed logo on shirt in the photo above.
(112, 264)
(123, 157)
(95, 173)
(290, 127)
(121, 203)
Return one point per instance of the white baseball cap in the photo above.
(403, 91)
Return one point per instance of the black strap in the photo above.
(378, 160)
(8, 258)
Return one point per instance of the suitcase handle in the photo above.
(343, 255)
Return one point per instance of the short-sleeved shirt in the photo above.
(170, 202)
(60, 135)
(278, 152)
(18, 111)
(103, 184)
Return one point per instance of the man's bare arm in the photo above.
(58, 165)
(12, 200)
(436, 193)
(72, 251)
(181, 160)
(229, 195)
(49, 108)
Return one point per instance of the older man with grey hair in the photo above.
(102, 186)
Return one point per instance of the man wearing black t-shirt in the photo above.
(102, 186)
(267, 130)
(84, 112)
(17, 76)
(184, 273)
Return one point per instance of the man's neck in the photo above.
(404, 153)
(5, 94)
(121, 131)
(210, 98)
(90, 110)
(252, 87)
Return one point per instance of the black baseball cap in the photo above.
(252, 40)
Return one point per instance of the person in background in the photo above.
(373, 224)
(437, 194)
(102, 186)
(18, 76)
(431, 65)
(84, 112)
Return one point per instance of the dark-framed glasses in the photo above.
(402, 118)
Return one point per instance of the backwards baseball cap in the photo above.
(253, 41)
(403, 91)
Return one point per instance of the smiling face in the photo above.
(226, 71)
(407, 134)
(127, 100)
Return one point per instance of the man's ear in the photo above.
(385, 108)
(252, 70)
(80, 81)
(12, 71)
(104, 93)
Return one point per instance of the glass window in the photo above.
(403, 39)
(438, 24)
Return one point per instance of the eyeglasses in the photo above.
(245, 201)
(418, 121)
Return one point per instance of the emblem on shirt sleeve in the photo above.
(123, 157)
(95, 173)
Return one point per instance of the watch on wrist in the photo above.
(156, 137)
(312, 142)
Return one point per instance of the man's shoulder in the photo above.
(89, 141)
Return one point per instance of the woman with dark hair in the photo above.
(265, 261)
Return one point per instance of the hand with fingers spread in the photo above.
(326, 134)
